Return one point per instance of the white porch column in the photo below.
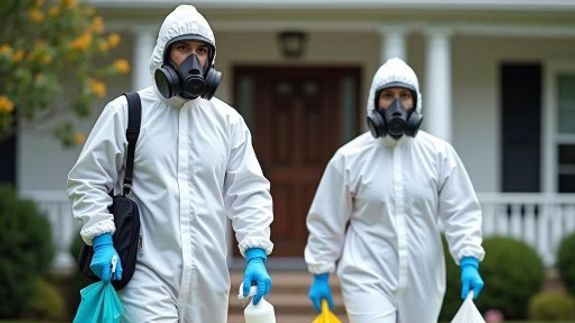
(437, 96)
(392, 42)
(144, 42)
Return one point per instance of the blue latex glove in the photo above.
(256, 274)
(101, 264)
(320, 290)
(470, 278)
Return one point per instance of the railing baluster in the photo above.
(488, 219)
(557, 230)
(65, 260)
(502, 220)
(515, 221)
(569, 218)
(530, 234)
(543, 234)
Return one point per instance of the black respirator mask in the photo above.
(189, 80)
(395, 121)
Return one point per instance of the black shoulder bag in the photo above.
(125, 211)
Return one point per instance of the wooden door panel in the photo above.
(288, 231)
(282, 130)
(314, 146)
(283, 205)
(295, 132)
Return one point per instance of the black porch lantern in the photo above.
(292, 43)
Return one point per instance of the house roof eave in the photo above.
(449, 5)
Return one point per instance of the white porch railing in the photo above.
(541, 220)
(65, 229)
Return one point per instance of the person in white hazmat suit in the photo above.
(376, 213)
(194, 167)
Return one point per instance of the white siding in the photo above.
(43, 164)
(476, 62)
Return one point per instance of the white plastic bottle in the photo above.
(263, 312)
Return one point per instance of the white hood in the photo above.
(184, 20)
(393, 71)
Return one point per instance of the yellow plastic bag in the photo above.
(326, 316)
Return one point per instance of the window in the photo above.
(565, 135)
(521, 127)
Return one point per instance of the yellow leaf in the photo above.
(35, 16)
(54, 11)
(98, 25)
(79, 138)
(47, 59)
(122, 66)
(113, 40)
(39, 45)
(98, 88)
(18, 56)
(69, 3)
(6, 49)
(82, 43)
(103, 46)
(6, 105)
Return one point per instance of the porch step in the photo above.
(288, 296)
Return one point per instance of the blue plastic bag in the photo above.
(100, 304)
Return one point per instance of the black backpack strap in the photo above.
(132, 133)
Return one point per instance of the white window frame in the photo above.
(550, 138)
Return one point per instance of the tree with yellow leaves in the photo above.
(47, 46)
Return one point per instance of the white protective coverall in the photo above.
(194, 167)
(393, 194)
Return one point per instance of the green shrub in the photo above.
(451, 301)
(566, 261)
(47, 303)
(76, 281)
(551, 306)
(26, 249)
(512, 272)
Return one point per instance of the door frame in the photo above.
(353, 71)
